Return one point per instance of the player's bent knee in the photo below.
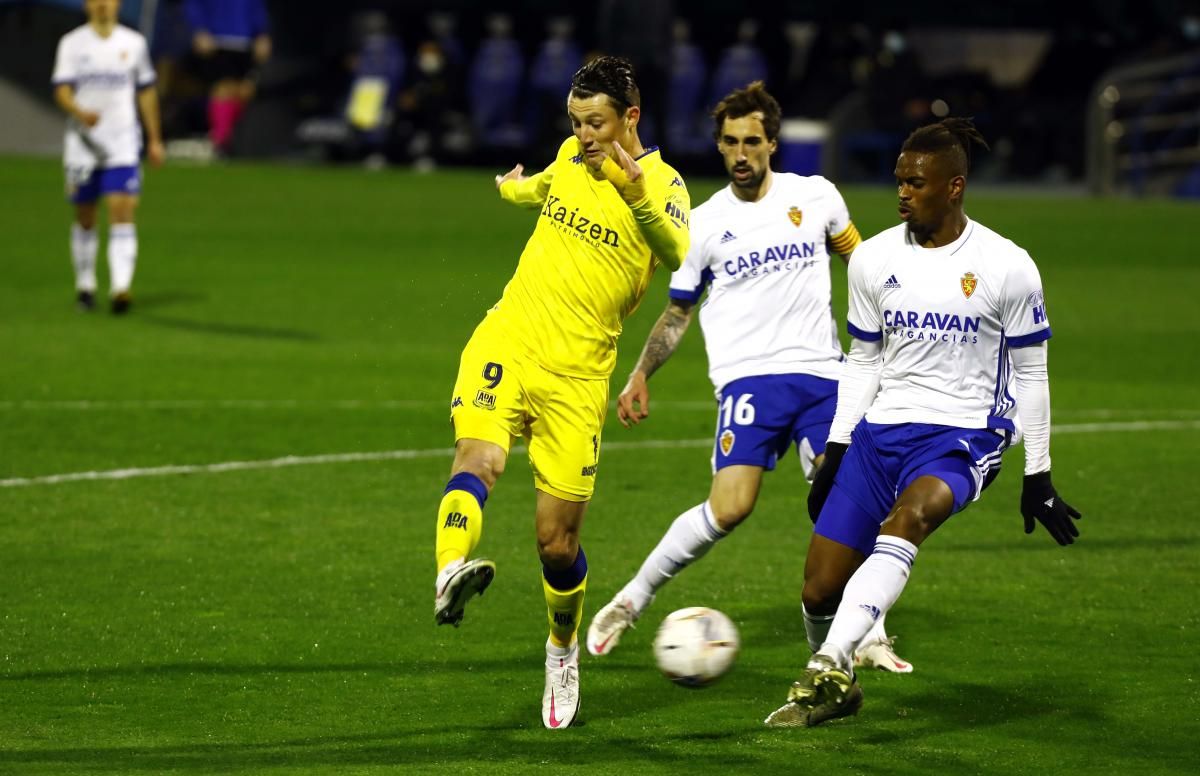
(731, 503)
(485, 461)
(821, 596)
(558, 552)
(911, 522)
(730, 514)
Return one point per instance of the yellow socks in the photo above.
(564, 599)
(460, 518)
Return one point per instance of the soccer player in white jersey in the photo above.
(101, 69)
(941, 310)
(762, 247)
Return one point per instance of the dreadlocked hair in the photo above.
(954, 135)
(611, 76)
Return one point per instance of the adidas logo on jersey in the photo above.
(892, 282)
(727, 237)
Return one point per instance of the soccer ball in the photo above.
(695, 646)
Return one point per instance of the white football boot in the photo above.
(882, 655)
(456, 584)
(610, 622)
(560, 700)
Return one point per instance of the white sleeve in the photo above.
(1023, 305)
(144, 70)
(856, 387)
(863, 320)
(693, 276)
(64, 65)
(1033, 404)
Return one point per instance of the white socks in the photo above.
(868, 596)
(688, 538)
(84, 243)
(877, 633)
(122, 256)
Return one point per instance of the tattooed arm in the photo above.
(633, 405)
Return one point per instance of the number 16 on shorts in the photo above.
(735, 411)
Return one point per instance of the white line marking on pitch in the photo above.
(447, 452)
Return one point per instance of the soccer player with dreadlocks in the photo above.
(943, 311)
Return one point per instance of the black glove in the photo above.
(823, 480)
(1040, 501)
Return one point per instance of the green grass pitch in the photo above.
(278, 619)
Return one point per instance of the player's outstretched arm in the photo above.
(529, 191)
(633, 405)
(662, 223)
(1040, 502)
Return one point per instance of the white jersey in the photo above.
(106, 74)
(947, 317)
(769, 310)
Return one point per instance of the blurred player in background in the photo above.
(230, 37)
(942, 311)
(763, 245)
(102, 69)
(538, 365)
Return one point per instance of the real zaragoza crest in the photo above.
(726, 441)
(969, 284)
(795, 215)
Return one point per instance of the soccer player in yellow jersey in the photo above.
(538, 365)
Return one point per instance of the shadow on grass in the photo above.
(627, 728)
(500, 746)
(229, 329)
(514, 741)
(153, 300)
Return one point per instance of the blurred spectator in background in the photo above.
(443, 30)
(181, 90)
(378, 71)
(231, 39)
(686, 119)
(556, 61)
(740, 64)
(642, 32)
(431, 123)
(494, 88)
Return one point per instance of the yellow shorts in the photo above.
(501, 394)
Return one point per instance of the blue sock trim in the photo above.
(471, 484)
(568, 578)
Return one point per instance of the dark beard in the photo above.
(751, 185)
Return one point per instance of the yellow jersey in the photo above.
(589, 261)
